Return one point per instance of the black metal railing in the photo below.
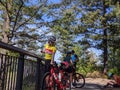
(8, 72)
(18, 72)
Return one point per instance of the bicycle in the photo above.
(56, 79)
(78, 80)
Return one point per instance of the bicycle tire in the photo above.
(78, 80)
(50, 80)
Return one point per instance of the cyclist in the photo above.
(74, 58)
(68, 59)
(115, 82)
(49, 50)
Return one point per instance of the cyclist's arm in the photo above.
(77, 59)
(71, 62)
(43, 51)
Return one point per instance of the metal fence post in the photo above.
(20, 71)
(37, 85)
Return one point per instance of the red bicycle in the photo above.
(56, 79)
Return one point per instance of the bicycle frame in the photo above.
(58, 77)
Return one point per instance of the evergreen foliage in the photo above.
(77, 24)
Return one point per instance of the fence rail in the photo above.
(17, 72)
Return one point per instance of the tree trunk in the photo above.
(105, 51)
(5, 28)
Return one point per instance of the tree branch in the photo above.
(31, 16)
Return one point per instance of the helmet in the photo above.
(68, 52)
(73, 51)
(52, 39)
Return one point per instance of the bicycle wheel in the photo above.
(48, 82)
(78, 80)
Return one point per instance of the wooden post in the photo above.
(20, 72)
(37, 85)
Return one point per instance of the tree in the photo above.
(97, 19)
(114, 26)
(66, 24)
(21, 22)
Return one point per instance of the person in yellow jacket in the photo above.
(49, 50)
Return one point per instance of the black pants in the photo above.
(47, 65)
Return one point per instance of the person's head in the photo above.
(72, 51)
(110, 75)
(68, 53)
(52, 40)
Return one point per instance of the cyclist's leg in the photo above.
(66, 81)
(74, 69)
(47, 69)
(71, 70)
(47, 65)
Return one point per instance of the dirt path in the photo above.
(99, 81)
(95, 84)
